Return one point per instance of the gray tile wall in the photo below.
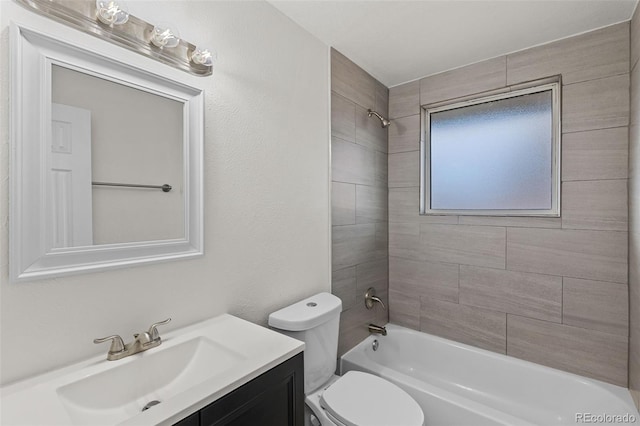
(634, 214)
(359, 197)
(549, 290)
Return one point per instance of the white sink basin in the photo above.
(121, 392)
(190, 369)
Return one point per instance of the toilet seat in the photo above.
(362, 399)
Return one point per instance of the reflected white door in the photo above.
(71, 213)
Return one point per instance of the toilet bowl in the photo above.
(354, 399)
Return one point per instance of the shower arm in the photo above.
(371, 112)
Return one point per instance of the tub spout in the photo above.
(377, 329)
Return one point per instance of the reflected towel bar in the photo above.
(165, 187)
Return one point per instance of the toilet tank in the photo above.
(316, 322)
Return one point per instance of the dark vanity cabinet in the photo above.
(275, 398)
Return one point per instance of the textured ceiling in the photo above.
(400, 41)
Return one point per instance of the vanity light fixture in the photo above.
(163, 36)
(110, 12)
(204, 57)
(105, 18)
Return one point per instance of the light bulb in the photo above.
(204, 57)
(163, 36)
(111, 13)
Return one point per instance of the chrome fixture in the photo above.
(165, 188)
(111, 13)
(385, 123)
(163, 36)
(375, 345)
(141, 342)
(377, 329)
(203, 57)
(104, 19)
(370, 297)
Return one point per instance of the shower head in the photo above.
(385, 123)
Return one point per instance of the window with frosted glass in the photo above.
(494, 156)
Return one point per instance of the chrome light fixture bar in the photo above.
(106, 19)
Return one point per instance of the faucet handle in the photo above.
(117, 345)
(370, 297)
(153, 330)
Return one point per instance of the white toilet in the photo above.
(354, 399)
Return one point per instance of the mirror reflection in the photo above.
(107, 140)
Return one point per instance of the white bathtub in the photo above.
(457, 384)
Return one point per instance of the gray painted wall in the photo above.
(266, 196)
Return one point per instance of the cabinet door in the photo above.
(276, 398)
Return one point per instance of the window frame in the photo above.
(553, 84)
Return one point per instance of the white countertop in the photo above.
(36, 400)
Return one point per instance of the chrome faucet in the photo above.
(377, 329)
(141, 342)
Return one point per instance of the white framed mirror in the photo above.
(106, 164)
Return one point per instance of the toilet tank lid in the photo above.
(307, 313)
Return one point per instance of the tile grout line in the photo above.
(562, 303)
(506, 334)
(506, 237)
(458, 282)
